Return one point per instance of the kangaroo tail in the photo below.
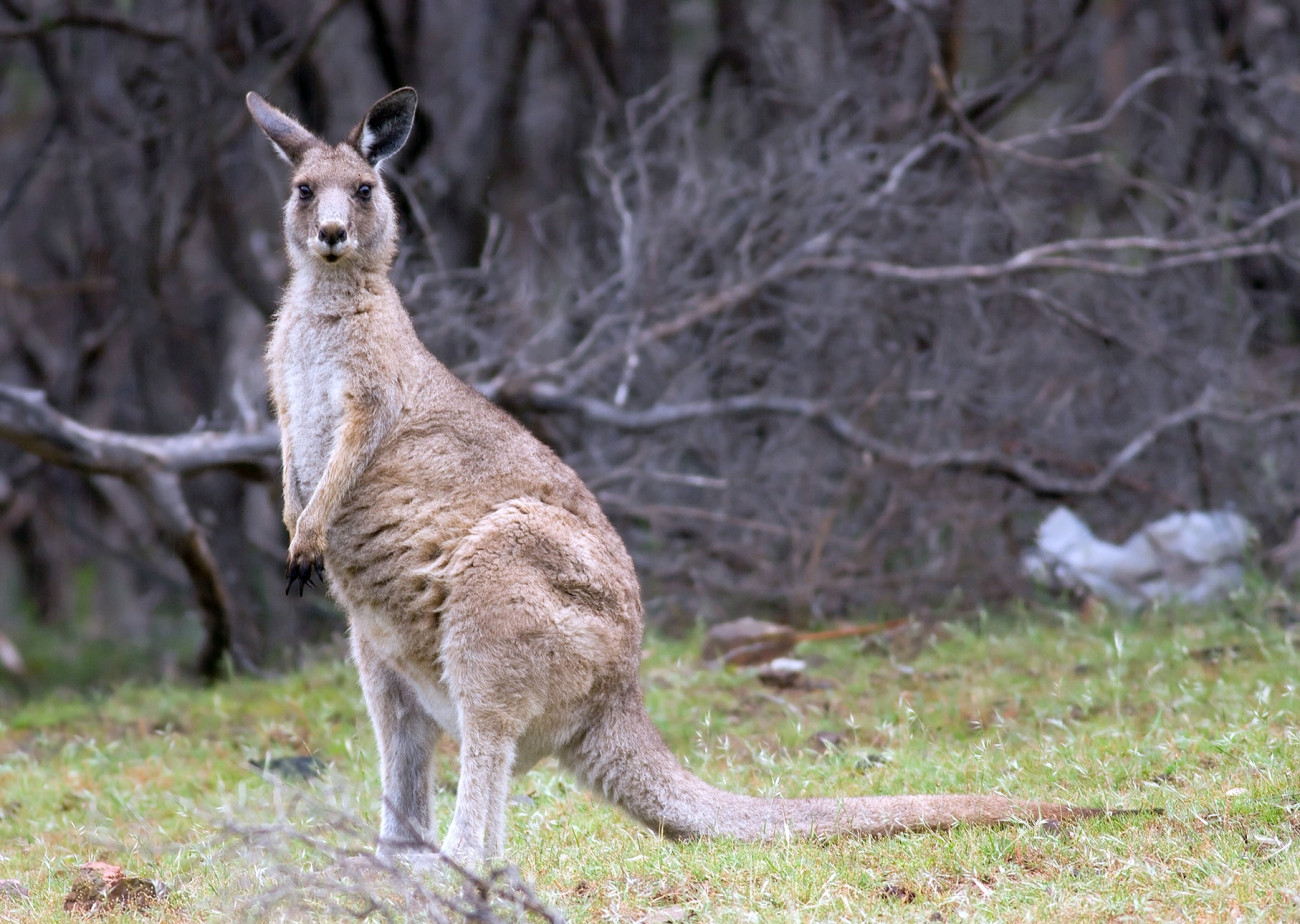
(623, 757)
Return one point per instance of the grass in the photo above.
(1192, 712)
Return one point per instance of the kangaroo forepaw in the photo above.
(299, 571)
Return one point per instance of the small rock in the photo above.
(870, 762)
(748, 641)
(132, 893)
(298, 767)
(782, 673)
(826, 741)
(788, 674)
(10, 659)
(669, 915)
(1214, 653)
(90, 884)
(13, 888)
(100, 886)
(898, 892)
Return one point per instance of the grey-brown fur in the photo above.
(487, 594)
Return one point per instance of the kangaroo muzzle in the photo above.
(333, 215)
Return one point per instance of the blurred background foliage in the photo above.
(829, 302)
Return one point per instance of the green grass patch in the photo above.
(1192, 712)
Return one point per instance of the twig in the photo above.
(618, 502)
(987, 105)
(905, 163)
(565, 16)
(303, 45)
(1113, 111)
(1057, 308)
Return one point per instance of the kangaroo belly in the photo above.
(415, 659)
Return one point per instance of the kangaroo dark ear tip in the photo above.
(404, 96)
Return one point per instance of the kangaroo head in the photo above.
(338, 210)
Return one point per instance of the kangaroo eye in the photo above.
(363, 191)
(304, 191)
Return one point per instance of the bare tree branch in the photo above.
(153, 465)
(986, 105)
(1023, 471)
(296, 54)
(125, 27)
(578, 38)
(1038, 259)
(813, 256)
(28, 421)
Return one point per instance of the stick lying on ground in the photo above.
(748, 641)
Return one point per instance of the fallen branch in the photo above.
(747, 641)
(153, 466)
(29, 422)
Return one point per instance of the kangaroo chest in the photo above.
(312, 387)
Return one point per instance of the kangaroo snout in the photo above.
(332, 233)
(332, 240)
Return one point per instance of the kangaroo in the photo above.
(487, 595)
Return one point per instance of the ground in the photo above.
(1193, 712)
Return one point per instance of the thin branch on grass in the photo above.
(338, 869)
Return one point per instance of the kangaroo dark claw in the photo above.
(300, 573)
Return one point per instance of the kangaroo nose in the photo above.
(333, 233)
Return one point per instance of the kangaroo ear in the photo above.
(386, 126)
(289, 138)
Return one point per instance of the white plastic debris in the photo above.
(1193, 557)
(10, 659)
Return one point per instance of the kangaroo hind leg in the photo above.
(487, 755)
(406, 735)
